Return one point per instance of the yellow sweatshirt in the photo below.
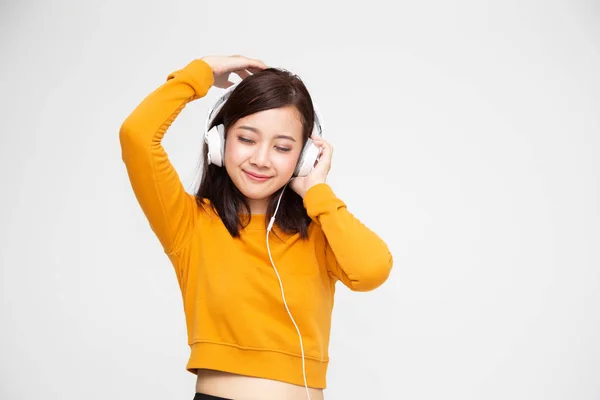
(235, 317)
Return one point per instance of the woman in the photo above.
(258, 292)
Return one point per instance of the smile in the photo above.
(257, 178)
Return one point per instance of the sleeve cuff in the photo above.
(320, 199)
(198, 74)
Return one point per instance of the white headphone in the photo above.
(215, 138)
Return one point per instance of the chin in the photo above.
(254, 194)
(258, 192)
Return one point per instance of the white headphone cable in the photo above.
(283, 294)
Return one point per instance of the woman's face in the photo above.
(261, 153)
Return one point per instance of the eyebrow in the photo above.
(250, 128)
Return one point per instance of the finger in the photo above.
(242, 73)
(317, 138)
(326, 153)
(258, 64)
(252, 64)
(322, 165)
(320, 142)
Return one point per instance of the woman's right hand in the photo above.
(223, 66)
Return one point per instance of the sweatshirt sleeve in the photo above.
(170, 210)
(358, 257)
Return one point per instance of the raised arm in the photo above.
(356, 255)
(170, 210)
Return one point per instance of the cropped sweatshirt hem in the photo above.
(259, 362)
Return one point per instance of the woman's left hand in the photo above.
(301, 184)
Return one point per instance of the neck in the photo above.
(257, 206)
(260, 206)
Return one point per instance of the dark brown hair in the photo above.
(268, 89)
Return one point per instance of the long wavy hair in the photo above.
(268, 89)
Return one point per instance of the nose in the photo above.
(260, 156)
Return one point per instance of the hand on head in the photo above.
(223, 66)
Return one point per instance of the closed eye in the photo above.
(250, 141)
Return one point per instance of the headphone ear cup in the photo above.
(307, 160)
(215, 139)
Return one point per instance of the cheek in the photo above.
(286, 163)
(234, 152)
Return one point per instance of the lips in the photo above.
(257, 177)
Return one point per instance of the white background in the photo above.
(466, 134)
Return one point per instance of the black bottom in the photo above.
(202, 396)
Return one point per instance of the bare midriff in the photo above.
(239, 387)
